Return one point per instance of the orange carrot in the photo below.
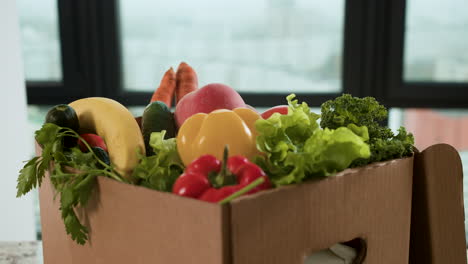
(187, 81)
(166, 89)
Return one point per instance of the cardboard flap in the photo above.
(437, 219)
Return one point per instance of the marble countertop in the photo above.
(21, 252)
(31, 253)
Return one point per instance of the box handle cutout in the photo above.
(350, 252)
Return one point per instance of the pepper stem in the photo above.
(224, 171)
(224, 177)
(246, 189)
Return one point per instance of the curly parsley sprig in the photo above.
(72, 173)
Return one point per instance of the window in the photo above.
(40, 40)
(265, 50)
(426, 64)
(436, 41)
(275, 46)
(58, 52)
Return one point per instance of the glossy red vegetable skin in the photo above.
(215, 195)
(93, 140)
(250, 172)
(204, 165)
(191, 185)
(208, 179)
(282, 109)
(235, 163)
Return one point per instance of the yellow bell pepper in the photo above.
(209, 133)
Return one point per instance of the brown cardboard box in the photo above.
(131, 224)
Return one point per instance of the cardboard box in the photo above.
(438, 216)
(131, 224)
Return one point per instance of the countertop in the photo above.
(26, 253)
(21, 252)
(31, 253)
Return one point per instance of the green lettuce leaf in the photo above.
(281, 134)
(330, 151)
(159, 171)
(295, 148)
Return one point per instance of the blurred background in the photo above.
(411, 55)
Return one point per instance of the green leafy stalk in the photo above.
(72, 173)
(242, 191)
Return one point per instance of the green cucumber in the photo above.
(156, 118)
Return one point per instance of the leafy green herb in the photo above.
(384, 145)
(297, 149)
(159, 171)
(73, 175)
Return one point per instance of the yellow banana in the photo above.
(117, 126)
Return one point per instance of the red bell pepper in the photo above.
(93, 140)
(209, 179)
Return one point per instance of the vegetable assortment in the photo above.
(186, 153)
(116, 126)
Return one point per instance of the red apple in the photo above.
(207, 99)
(282, 109)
